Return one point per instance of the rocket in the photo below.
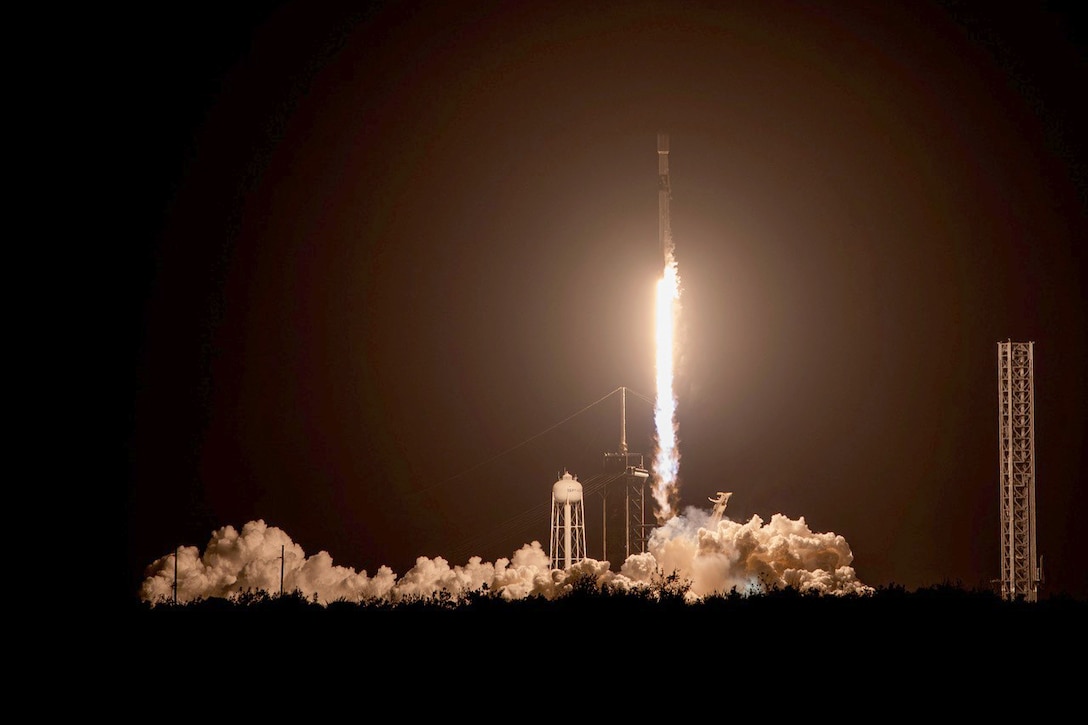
(664, 193)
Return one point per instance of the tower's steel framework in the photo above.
(625, 507)
(1020, 572)
(622, 487)
(625, 514)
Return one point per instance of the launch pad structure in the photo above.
(1021, 571)
(623, 489)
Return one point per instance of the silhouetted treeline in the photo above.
(941, 641)
(891, 614)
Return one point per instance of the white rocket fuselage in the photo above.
(664, 192)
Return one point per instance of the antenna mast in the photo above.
(623, 420)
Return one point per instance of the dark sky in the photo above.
(367, 252)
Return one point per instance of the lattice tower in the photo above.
(1020, 574)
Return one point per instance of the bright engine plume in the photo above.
(667, 454)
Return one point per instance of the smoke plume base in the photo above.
(713, 553)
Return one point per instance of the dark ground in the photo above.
(941, 647)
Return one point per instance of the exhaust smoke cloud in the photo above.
(711, 552)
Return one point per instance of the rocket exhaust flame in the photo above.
(667, 456)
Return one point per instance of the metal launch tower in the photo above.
(1021, 573)
(622, 486)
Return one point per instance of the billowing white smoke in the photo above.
(723, 555)
(714, 556)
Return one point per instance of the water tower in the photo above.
(568, 544)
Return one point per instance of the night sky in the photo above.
(372, 256)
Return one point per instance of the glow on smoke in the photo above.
(712, 552)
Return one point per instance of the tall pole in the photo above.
(175, 575)
(283, 559)
(623, 422)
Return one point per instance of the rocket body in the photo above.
(664, 193)
(667, 456)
